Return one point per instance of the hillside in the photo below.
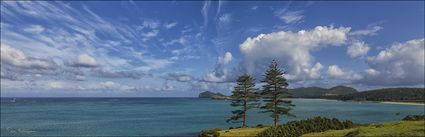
(389, 94)
(317, 92)
(340, 90)
(402, 128)
(212, 95)
(307, 92)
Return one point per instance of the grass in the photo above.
(246, 132)
(401, 128)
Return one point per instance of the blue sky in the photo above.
(169, 48)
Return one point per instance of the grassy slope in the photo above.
(241, 132)
(402, 128)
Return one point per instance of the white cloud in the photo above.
(220, 73)
(357, 49)
(254, 7)
(170, 25)
(401, 64)
(34, 29)
(17, 58)
(292, 50)
(55, 85)
(335, 72)
(204, 12)
(372, 72)
(223, 60)
(225, 19)
(151, 24)
(370, 30)
(110, 85)
(83, 60)
(289, 16)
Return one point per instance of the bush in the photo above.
(353, 133)
(414, 117)
(210, 133)
(298, 128)
(259, 126)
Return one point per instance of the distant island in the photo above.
(212, 95)
(346, 93)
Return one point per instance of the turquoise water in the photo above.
(164, 116)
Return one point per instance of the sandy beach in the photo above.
(403, 103)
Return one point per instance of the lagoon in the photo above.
(165, 116)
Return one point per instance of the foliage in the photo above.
(414, 117)
(393, 129)
(298, 128)
(241, 132)
(274, 93)
(244, 97)
(389, 94)
(210, 133)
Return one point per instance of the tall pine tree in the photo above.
(243, 97)
(275, 93)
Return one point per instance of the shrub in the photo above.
(298, 128)
(210, 133)
(414, 117)
(259, 126)
(353, 133)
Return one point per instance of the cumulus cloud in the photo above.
(292, 50)
(220, 74)
(83, 60)
(357, 49)
(335, 71)
(224, 60)
(400, 64)
(17, 58)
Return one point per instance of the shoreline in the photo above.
(402, 103)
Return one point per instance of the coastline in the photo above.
(402, 103)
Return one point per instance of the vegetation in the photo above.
(240, 132)
(274, 93)
(208, 133)
(244, 97)
(298, 128)
(308, 92)
(317, 92)
(414, 118)
(394, 129)
(389, 94)
(340, 90)
(212, 95)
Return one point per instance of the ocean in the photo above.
(165, 116)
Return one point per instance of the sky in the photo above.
(182, 48)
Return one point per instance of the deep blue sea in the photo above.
(164, 116)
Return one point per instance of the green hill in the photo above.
(212, 95)
(389, 94)
(317, 92)
(340, 90)
(307, 92)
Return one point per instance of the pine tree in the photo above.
(275, 92)
(244, 97)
